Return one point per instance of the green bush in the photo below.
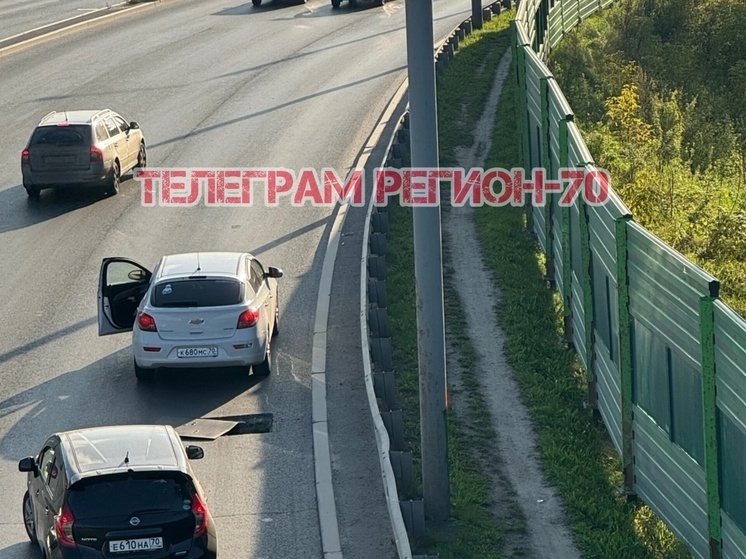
(657, 87)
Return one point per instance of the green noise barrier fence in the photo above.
(665, 358)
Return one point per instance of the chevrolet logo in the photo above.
(196, 321)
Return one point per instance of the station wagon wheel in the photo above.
(276, 326)
(142, 157)
(28, 518)
(113, 186)
(31, 190)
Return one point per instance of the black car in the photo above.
(117, 491)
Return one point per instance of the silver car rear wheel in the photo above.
(145, 375)
(264, 368)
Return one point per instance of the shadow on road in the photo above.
(17, 210)
(22, 549)
(106, 392)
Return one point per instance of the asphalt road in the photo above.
(18, 16)
(212, 84)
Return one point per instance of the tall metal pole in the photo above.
(476, 14)
(428, 266)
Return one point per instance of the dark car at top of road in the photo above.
(117, 491)
(81, 148)
(353, 3)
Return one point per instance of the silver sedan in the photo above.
(206, 309)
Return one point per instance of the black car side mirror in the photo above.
(134, 125)
(195, 452)
(28, 464)
(273, 272)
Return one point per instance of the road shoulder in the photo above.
(364, 522)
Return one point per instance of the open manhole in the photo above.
(210, 428)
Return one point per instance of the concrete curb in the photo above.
(16, 43)
(329, 525)
(327, 508)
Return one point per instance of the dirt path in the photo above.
(518, 479)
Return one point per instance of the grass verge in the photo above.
(576, 452)
(474, 532)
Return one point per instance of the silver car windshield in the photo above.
(203, 292)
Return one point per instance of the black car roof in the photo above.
(121, 448)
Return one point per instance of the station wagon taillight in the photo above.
(96, 154)
(248, 318)
(63, 527)
(199, 509)
(25, 154)
(146, 322)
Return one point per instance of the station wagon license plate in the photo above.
(197, 352)
(143, 544)
(59, 159)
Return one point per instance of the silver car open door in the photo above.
(122, 283)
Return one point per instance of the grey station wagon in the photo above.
(86, 148)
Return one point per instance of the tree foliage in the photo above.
(658, 88)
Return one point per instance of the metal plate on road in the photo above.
(251, 424)
(208, 429)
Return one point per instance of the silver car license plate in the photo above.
(189, 352)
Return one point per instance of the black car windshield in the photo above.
(197, 293)
(130, 493)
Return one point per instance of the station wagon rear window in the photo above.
(128, 494)
(197, 293)
(73, 135)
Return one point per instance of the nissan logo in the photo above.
(134, 521)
